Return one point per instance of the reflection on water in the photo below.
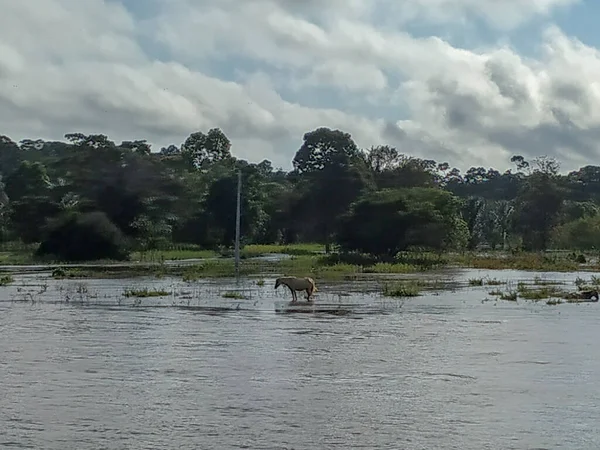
(444, 371)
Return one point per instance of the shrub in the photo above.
(84, 237)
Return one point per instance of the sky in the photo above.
(468, 82)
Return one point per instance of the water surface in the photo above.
(447, 371)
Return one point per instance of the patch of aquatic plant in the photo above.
(554, 301)
(476, 282)
(510, 296)
(539, 293)
(143, 293)
(104, 272)
(403, 262)
(496, 293)
(6, 279)
(537, 280)
(233, 295)
(424, 260)
(520, 261)
(486, 281)
(260, 282)
(402, 289)
(384, 267)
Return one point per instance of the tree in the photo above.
(10, 155)
(471, 213)
(385, 222)
(27, 180)
(221, 200)
(383, 158)
(90, 236)
(29, 216)
(538, 209)
(323, 148)
(96, 141)
(141, 147)
(200, 149)
(331, 174)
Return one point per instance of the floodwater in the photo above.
(81, 367)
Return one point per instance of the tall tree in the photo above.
(200, 149)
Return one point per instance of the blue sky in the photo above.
(464, 81)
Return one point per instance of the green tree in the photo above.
(385, 222)
(539, 205)
(323, 148)
(10, 155)
(201, 149)
(28, 179)
(90, 236)
(332, 173)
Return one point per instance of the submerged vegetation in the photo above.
(552, 292)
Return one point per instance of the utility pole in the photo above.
(237, 225)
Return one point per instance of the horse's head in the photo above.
(277, 283)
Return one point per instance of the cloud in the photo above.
(267, 71)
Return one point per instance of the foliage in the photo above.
(83, 237)
(378, 201)
(388, 221)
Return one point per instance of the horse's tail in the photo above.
(314, 286)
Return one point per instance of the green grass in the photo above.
(522, 261)
(291, 249)
(402, 289)
(233, 295)
(306, 259)
(172, 255)
(535, 293)
(5, 280)
(144, 293)
(476, 282)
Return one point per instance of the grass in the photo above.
(541, 290)
(521, 261)
(5, 280)
(306, 259)
(510, 296)
(172, 255)
(233, 295)
(485, 280)
(144, 293)
(402, 289)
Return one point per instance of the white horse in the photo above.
(298, 284)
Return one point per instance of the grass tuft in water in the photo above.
(143, 293)
(510, 296)
(234, 295)
(5, 280)
(402, 289)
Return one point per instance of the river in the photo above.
(447, 371)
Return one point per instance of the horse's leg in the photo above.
(293, 294)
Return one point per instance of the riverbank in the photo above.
(300, 259)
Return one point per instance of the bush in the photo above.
(84, 237)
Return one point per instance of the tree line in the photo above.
(89, 198)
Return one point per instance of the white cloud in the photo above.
(66, 66)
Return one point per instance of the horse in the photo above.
(297, 284)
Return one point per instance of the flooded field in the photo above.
(85, 364)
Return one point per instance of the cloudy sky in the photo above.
(470, 82)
